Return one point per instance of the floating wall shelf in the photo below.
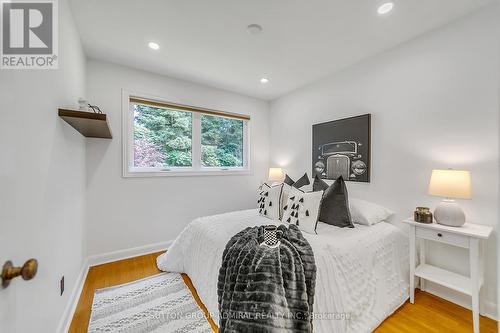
(89, 124)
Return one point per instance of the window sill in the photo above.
(184, 173)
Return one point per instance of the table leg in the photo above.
(423, 244)
(481, 275)
(412, 264)
(474, 275)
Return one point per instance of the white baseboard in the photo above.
(127, 253)
(73, 299)
(100, 259)
(487, 308)
(490, 310)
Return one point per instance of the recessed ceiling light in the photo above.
(264, 80)
(385, 8)
(153, 45)
(254, 29)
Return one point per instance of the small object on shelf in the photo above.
(450, 184)
(83, 104)
(89, 124)
(422, 215)
(94, 108)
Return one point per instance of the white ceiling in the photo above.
(206, 41)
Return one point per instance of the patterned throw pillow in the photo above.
(288, 184)
(269, 201)
(302, 209)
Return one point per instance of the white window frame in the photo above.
(196, 169)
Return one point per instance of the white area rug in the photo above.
(161, 303)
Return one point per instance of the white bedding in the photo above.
(361, 272)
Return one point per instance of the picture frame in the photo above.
(342, 148)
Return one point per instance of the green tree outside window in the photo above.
(163, 138)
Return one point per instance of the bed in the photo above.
(362, 273)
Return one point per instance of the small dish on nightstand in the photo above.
(422, 215)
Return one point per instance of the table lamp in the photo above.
(450, 184)
(275, 175)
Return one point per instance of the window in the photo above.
(164, 139)
(221, 142)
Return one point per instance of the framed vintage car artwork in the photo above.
(342, 148)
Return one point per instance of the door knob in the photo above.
(27, 271)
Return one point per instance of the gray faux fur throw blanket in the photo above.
(267, 289)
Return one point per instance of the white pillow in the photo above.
(367, 213)
(269, 203)
(302, 209)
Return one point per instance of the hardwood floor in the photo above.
(108, 275)
(115, 273)
(432, 314)
(428, 314)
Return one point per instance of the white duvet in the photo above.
(362, 273)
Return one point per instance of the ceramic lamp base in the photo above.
(449, 213)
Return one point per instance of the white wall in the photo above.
(123, 213)
(434, 104)
(42, 185)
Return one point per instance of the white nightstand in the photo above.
(468, 236)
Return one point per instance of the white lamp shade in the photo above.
(450, 184)
(275, 175)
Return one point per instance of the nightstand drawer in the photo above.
(443, 237)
